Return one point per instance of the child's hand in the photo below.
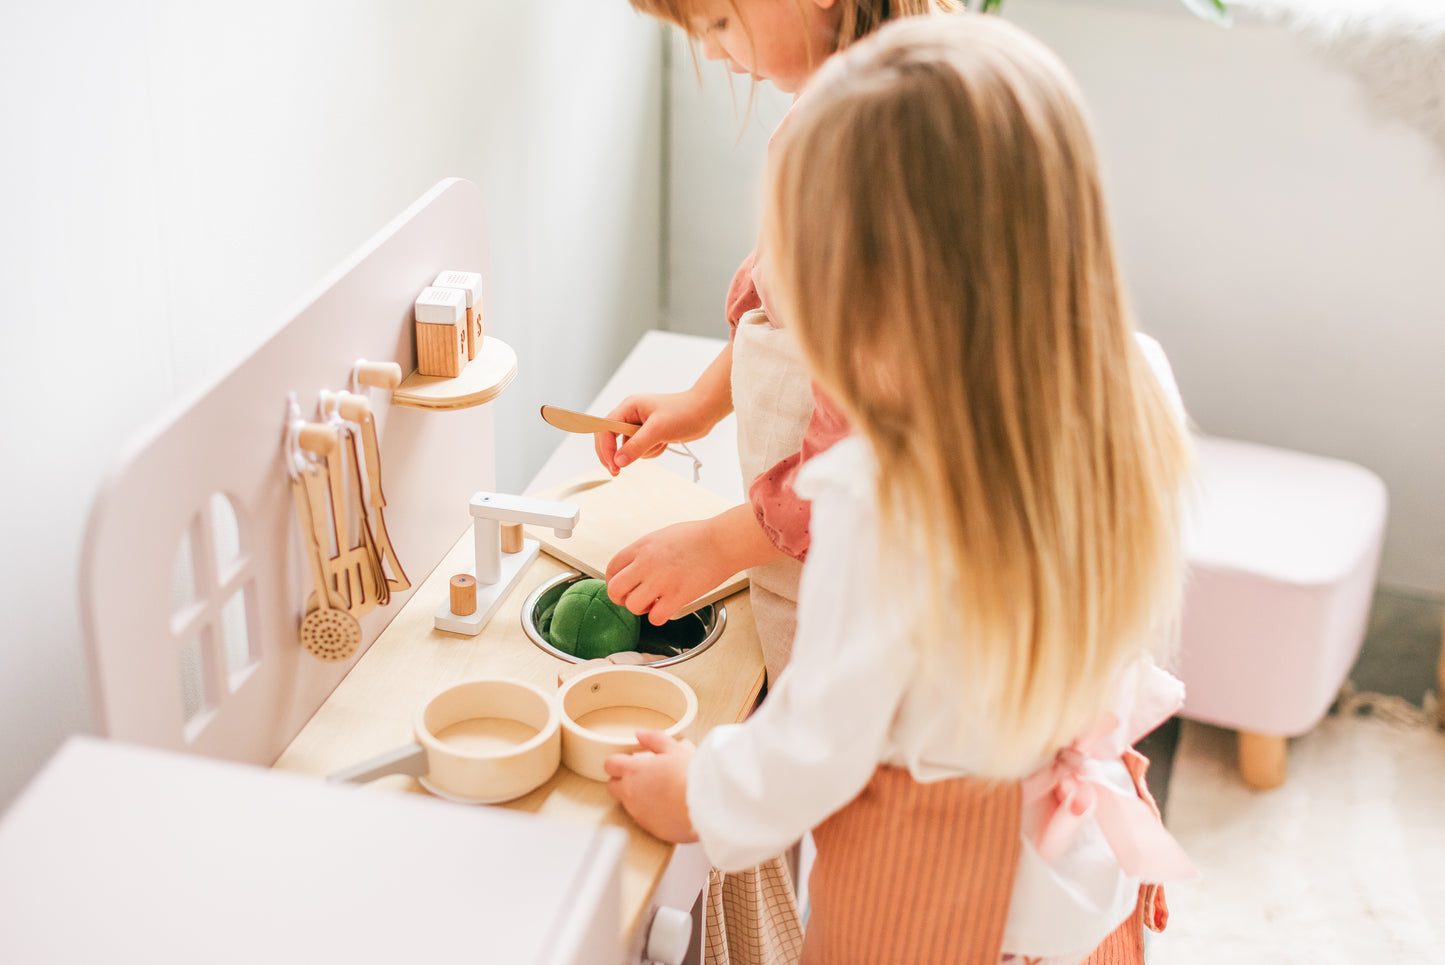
(665, 419)
(670, 417)
(667, 569)
(652, 785)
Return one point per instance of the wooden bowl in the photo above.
(602, 710)
(489, 740)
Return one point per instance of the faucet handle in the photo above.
(562, 517)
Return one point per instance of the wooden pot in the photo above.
(602, 710)
(480, 742)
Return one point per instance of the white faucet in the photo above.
(495, 570)
(490, 510)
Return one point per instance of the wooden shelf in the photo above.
(481, 381)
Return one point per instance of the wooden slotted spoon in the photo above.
(358, 410)
(368, 576)
(349, 566)
(328, 631)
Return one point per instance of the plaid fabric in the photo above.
(752, 917)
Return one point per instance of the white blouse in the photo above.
(853, 697)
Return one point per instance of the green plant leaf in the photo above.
(1212, 10)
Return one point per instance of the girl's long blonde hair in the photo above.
(939, 243)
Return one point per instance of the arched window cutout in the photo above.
(195, 701)
(213, 601)
(225, 533)
(183, 576)
(240, 653)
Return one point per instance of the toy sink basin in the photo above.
(673, 642)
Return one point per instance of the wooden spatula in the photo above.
(569, 421)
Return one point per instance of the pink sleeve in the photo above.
(742, 293)
(782, 513)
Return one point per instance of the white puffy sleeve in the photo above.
(756, 787)
(1153, 353)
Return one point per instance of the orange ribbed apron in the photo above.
(923, 873)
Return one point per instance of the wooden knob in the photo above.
(512, 537)
(354, 408)
(464, 594)
(379, 375)
(317, 437)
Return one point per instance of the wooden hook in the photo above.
(317, 437)
(353, 408)
(378, 375)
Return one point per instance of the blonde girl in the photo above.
(759, 376)
(996, 550)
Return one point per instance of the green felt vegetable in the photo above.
(586, 624)
(544, 620)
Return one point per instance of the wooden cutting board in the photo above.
(616, 511)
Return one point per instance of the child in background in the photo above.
(996, 552)
(760, 374)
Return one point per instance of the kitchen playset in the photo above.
(266, 602)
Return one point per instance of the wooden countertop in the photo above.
(374, 707)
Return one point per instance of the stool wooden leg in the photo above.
(1262, 760)
(1440, 681)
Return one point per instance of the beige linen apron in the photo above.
(773, 400)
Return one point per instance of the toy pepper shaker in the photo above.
(470, 283)
(441, 332)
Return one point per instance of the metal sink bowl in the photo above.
(673, 642)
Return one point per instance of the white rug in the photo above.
(1345, 863)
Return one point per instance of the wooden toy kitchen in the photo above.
(329, 720)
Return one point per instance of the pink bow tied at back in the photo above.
(1058, 797)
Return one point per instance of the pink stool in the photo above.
(1283, 549)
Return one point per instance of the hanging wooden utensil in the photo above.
(375, 589)
(357, 409)
(339, 566)
(352, 567)
(328, 631)
(315, 484)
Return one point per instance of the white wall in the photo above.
(1285, 245)
(718, 136)
(174, 175)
